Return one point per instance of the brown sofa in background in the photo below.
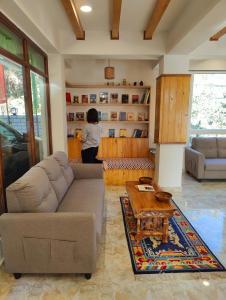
(54, 219)
(206, 159)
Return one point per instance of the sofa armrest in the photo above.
(49, 242)
(86, 171)
(194, 162)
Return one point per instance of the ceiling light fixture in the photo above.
(86, 8)
(109, 72)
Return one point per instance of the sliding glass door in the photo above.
(25, 131)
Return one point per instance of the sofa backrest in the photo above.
(221, 142)
(62, 160)
(32, 193)
(55, 175)
(207, 146)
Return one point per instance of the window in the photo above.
(25, 136)
(208, 111)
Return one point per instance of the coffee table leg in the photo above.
(165, 230)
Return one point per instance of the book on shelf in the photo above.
(135, 99)
(130, 116)
(111, 133)
(75, 99)
(114, 115)
(93, 98)
(122, 133)
(104, 116)
(141, 116)
(142, 99)
(70, 132)
(68, 98)
(137, 133)
(147, 97)
(99, 115)
(70, 116)
(125, 98)
(103, 97)
(85, 99)
(122, 116)
(80, 116)
(144, 133)
(114, 98)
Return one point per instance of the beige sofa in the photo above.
(206, 159)
(54, 219)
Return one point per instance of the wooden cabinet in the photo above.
(171, 113)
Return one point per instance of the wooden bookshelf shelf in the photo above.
(107, 104)
(105, 86)
(117, 121)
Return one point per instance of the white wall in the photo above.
(92, 71)
(209, 65)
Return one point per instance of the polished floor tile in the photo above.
(204, 204)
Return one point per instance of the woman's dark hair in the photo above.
(92, 116)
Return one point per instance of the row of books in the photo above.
(114, 116)
(137, 133)
(105, 98)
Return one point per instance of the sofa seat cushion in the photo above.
(207, 146)
(32, 193)
(85, 195)
(221, 142)
(55, 175)
(62, 160)
(215, 164)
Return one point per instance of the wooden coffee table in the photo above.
(152, 216)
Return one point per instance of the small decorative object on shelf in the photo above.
(76, 99)
(111, 133)
(135, 83)
(130, 116)
(141, 83)
(141, 116)
(68, 98)
(122, 133)
(78, 133)
(124, 82)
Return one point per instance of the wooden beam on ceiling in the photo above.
(218, 35)
(157, 13)
(116, 13)
(73, 17)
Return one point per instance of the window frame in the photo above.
(202, 131)
(27, 67)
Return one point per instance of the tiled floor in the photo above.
(205, 206)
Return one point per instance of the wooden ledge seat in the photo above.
(119, 170)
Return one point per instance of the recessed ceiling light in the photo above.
(86, 8)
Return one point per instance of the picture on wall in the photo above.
(93, 98)
(111, 133)
(85, 99)
(103, 97)
(114, 98)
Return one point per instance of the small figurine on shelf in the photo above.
(124, 82)
(135, 83)
(141, 83)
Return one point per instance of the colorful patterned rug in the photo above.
(184, 252)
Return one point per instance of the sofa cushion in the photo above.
(62, 160)
(32, 193)
(221, 143)
(215, 164)
(55, 175)
(207, 146)
(85, 195)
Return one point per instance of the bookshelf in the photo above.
(130, 116)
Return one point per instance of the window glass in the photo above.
(13, 122)
(209, 102)
(10, 42)
(39, 105)
(36, 59)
